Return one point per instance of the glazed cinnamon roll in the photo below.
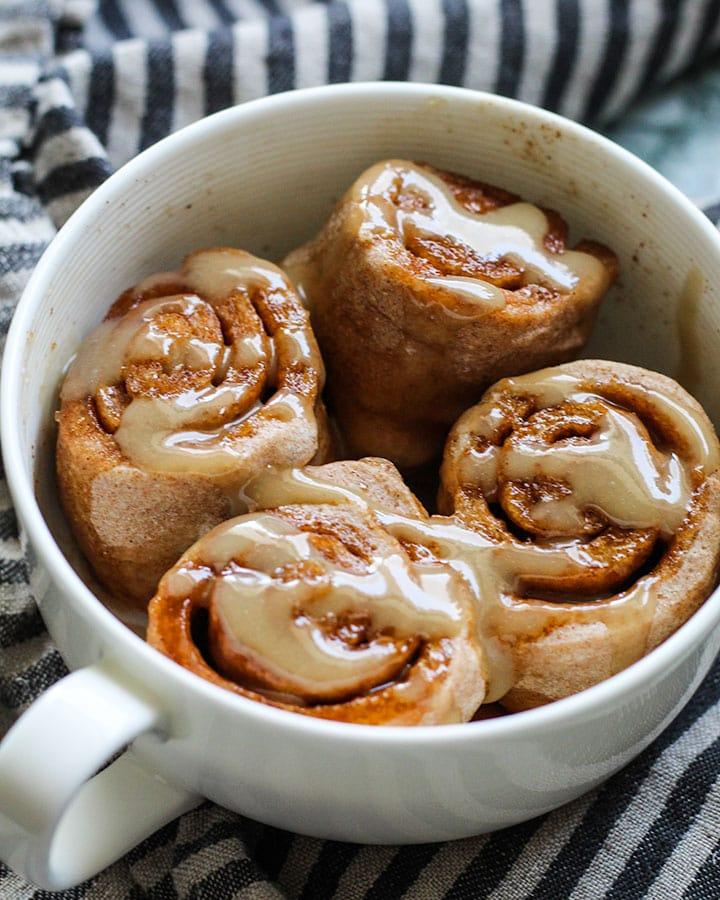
(593, 493)
(195, 380)
(426, 287)
(317, 609)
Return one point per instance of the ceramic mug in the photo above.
(264, 176)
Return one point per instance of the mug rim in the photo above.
(113, 632)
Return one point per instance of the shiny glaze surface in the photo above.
(203, 368)
(498, 568)
(400, 200)
(309, 618)
(409, 200)
(599, 454)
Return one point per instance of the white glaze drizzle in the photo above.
(515, 232)
(279, 618)
(616, 471)
(170, 433)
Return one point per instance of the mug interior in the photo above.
(265, 176)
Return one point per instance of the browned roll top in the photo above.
(425, 287)
(195, 380)
(316, 608)
(594, 486)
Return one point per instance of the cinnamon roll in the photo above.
(593, 494)
(425, 287)
(317, 609)
(195, 380)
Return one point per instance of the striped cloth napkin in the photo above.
(84, 87)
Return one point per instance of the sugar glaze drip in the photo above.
(613, 468)
(282, 602)
(515, 232)
(499, 571)
(195, 429)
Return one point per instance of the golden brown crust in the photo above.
(406, 356)
(443, 679)
(563, 653)
(133, 521)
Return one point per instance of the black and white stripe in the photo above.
(83, 87)
(585, 58)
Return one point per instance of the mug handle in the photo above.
(61, 823)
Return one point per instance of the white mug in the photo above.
(264, 176)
